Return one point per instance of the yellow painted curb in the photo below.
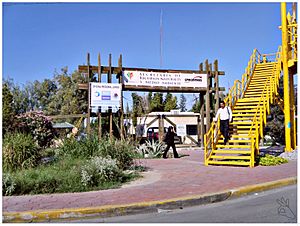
(263, 187)
(108, 210)
(116, 210)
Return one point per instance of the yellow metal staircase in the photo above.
(250, 101)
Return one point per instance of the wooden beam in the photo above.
(116, 70)
(192, 139)
(169, 121)
(165, 89)
(162, 89)
(66, 116)
(152, 121)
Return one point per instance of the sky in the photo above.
(41, 38)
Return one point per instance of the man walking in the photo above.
(170, 143)
(225, 114)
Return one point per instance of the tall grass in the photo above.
(19, 151)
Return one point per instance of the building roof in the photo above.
(63, 125)
(174, 112)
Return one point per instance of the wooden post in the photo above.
(88, 123)
(207, 97)
(202, 128)
(110, 110)
(99, 109)
(161, 127)
(201, 100)
(121, 104)
(216, 85)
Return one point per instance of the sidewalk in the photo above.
(166, 179)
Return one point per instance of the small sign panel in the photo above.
(105, 95)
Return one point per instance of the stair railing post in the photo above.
(205, 150)
(252, 152)
(261, 122)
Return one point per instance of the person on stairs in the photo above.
(169, 139)
(225, 114)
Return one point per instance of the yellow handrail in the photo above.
(264, 102)
(236, 92)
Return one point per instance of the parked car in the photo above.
(153, 134)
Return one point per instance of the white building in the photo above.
(188, 121)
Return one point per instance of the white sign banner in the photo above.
(145, 78)
(105, 94)
(181, 129)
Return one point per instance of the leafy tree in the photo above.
(20, 97)
(182, 103)
(149, 100)
(157, 102)
(275, 127)
(44, 93)
(68, 99)
(170, 102)
(137, 107)
(7, 109)
(127, 109)
(196, 107)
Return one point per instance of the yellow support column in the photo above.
(287, 121)
(292, 113)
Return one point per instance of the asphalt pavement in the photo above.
(273, 206)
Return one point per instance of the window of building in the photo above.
(191, 130)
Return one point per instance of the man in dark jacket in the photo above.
(170, 143)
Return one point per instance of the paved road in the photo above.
(256, 208)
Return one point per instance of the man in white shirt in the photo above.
(225, 114)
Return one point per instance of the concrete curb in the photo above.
(142, 207)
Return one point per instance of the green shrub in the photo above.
(270, 160)
(98, 170)
(38, 125)
(8, 184)
(86, 147)
(121, 150)
(19, 151)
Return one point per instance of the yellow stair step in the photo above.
(241, 136)
(230, 157)
(221, 141)
(246, 111)
(235, 119)
(229, 163)
(241, 123)
(246, 107)
(232, 146)
(232, 152)
(246, 103)
(239, 128)
(240, 114)
(248, 100)
(246, 132)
